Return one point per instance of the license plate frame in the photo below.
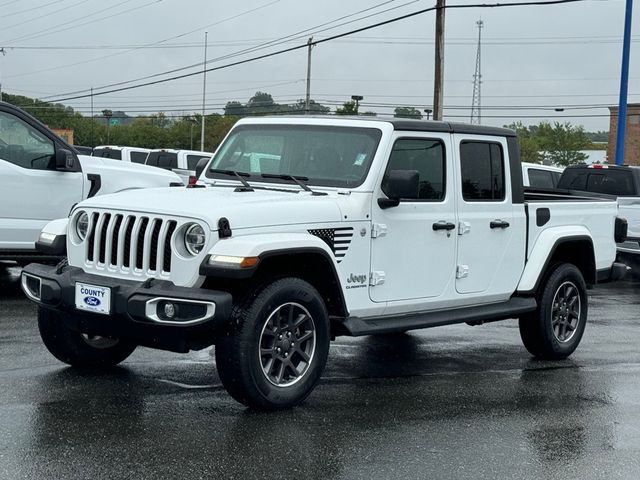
(93, 298)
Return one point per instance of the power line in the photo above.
(152, 45)
(11, 14)
(57, 29)
(258, 47)
(31, 19)
(328, 39)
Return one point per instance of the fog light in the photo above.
(169, 310)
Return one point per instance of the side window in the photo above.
(138, 157)
(23, 145)
(427, 157)
(482, 168)
(166, 160)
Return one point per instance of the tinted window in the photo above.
(607, 181)
(482, 167)
(329, 156)
(540, 178)
(138, 157)
(166, 160)
(107, 153)
(23, 145)
(192, 160)
(427, 158)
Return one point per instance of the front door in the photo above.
(32, 192)
(413, 252)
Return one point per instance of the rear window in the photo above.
(605, 180)
(166, 160)
(192, 160)
(107, 153)
(542, 178)
(138, 157)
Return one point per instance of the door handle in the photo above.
(499, 224)
(442, 225)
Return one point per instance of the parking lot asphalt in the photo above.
(445, 403)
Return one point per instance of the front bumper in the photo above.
(135, 313)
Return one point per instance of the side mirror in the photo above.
(201, 165)
(65, 160)
(399, 184)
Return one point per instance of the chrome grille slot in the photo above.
(133, 245)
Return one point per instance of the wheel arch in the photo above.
(577, 250)
(297, 255)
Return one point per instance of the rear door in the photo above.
(32, 192)
(491, 240)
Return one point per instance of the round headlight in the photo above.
(194, 239)
(82, 225)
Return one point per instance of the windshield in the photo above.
(326, 156)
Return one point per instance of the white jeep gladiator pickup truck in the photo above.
(361, 226)
(42, 178)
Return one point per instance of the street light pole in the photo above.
(204, 91)
(624, 85)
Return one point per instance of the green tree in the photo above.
(528, 142)
(407, 112)
(348, 108)
(562, 143)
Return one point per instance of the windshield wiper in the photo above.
(238, 175)
(298, 180)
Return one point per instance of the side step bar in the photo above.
(515, 307)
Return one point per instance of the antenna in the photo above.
(476, 102)
(3, 52)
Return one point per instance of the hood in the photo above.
(260, 208)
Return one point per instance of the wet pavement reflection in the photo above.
(450, 402)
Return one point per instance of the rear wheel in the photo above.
(277, 349)
(79, 349)
(554, 331)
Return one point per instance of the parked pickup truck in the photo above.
(182, 162)
(536, 175)
(367, 226)
(42, 178)
(615, 182)
(126, 154)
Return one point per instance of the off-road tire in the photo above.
(76, 349)
(537, 329)
(240, 356)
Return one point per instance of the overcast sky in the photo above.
(546, 57)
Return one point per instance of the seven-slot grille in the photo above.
(129, 242)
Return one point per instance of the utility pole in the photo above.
(308, 97)
(3, 52)
(439, 66)
(204, 91)
(476, 100)
(624, 85)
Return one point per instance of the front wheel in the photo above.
(80, 349)
(277, 349)
(554, 331)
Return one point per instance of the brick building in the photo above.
(632, 143)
